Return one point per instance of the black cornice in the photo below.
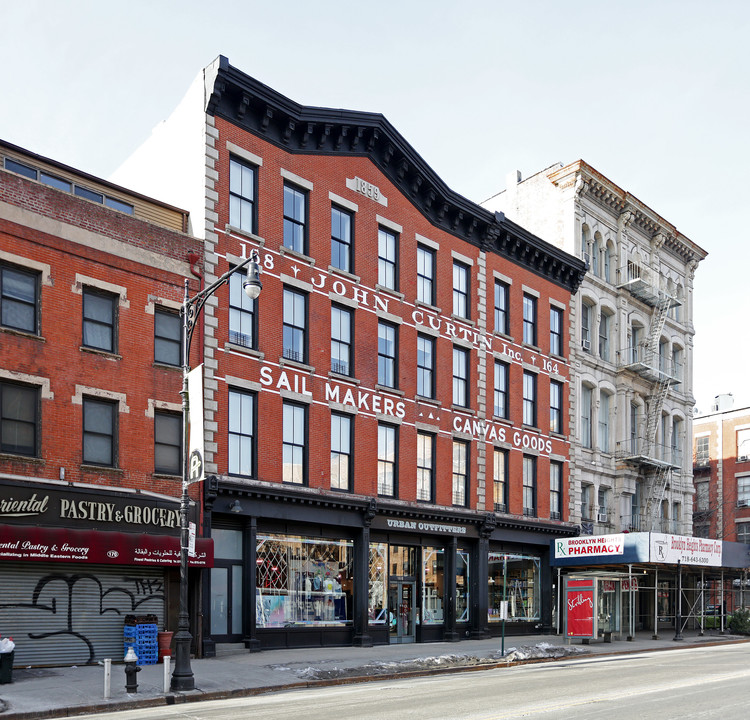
(260, 110)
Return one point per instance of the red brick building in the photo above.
(386, 423)
(91, 280)
(721, 472)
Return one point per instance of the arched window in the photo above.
(604, 410)
(609, 259)
(605, 331)
(595, 251)
(587, 396)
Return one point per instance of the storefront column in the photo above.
(249, 569)
(361, 587)
(479, 579)
(451, 549)
(210, 493)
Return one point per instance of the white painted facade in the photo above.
(630, 343)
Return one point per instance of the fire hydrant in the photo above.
(131, 671)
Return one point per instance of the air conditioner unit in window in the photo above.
(743, 503)
(743, 458)
(586, 345)
(587, 259)
(602, 516)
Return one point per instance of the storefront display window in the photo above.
(432, 585)
(303, 581)
(462, 586)
(521, 573)
(376, 599)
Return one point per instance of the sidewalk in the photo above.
(70, 691)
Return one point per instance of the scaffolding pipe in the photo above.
(655, 636)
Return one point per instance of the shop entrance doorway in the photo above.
(401, 611)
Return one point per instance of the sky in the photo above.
(654, 94)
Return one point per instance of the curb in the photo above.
(199, 696)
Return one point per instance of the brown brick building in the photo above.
(91, 279)
(385, 424)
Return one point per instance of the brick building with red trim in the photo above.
(386, 424)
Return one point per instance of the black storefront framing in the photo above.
(294, 568)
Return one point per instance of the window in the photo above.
(529, 485)
(460, 377)
(242, 195)
(556, 331)
(460, 472)
(604, 323)
(241, 433)
(341, 239)
(425, 275)
(677, 439)
(634, 420)
(295, 219)
(386, 355)
(19, 299)
(341, 340)
(529, 320)
(99, 320)
(604, 404)
(743, 533)
(99, 432)
(743, 444)
(425, 466)
(529, 399)
(19, 419)
(555, 490)
(603, 505)
(677, 354)
(387, 460)
(20, 168)
(425, 366)
(608, 262)
(555, 406)
(168, 443)
(701, 496)
(743, 490)
(501, 390)
(586, 510)
(387, 259)
(635, 348)
(294, 444)
(295, 325)
(501, 307)
(167, 337)
(242, 316)
(341, 452)
(500, 480)
(460, 290)
(701, 451)
(586, 315)
(595, 250)
(586, 397)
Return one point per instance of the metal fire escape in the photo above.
(655, 461)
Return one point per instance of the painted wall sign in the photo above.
(90, 546)
(687, 550)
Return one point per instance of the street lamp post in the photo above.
(182, 677)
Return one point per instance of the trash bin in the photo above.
(6, 667)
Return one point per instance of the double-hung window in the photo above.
(387, 455)
(460, 472)
(425, 466)
(555, 490)
(586, 416)
(242, 195)
(241, 433)
(425, 366)
(604, 422)
(387, 259)
(555, 406)
(529, 485)
(168, 443)
(295, 325)
(502, 291)
(529, 319)
(425, 275)
(556, 331)
(341, 340)
(294, 443)
(242, 315)
(341, 239)
(529, 399)
(604, 323)
(99, 432)
(99, 320)
(19, 299)
(295, 219)
(19, 419)
(460, 377)
(460, 290)
(341, 451)
(386, 354)
(500, 480)
(500, 405)
(167, 337)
